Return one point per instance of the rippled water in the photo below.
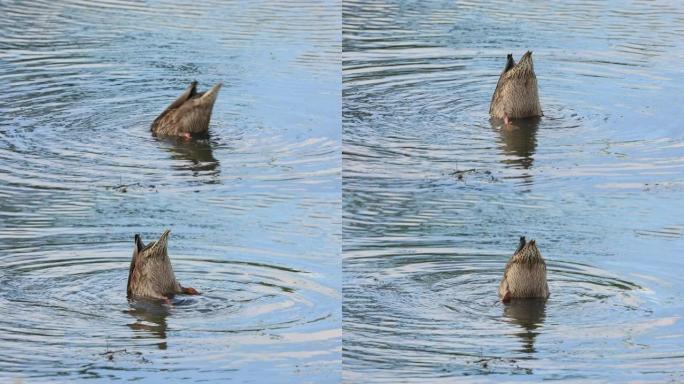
(254, 208)
(435, 195)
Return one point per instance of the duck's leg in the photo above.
(506, 121)
(506, 297)
(186, 136)
(189, 291)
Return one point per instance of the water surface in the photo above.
(435, 195)
(254, 208)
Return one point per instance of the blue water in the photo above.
(254, 209)
(435, 195)
(424, 206)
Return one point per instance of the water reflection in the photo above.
(418, 82)
(150, 318)
(80, 171)
(197, 154)
(519, 141)
(529, 314)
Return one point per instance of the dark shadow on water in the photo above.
(150, 318)
(529, 314)
(519, 141)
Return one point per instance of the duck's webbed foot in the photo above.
(506, 297)
(189, 291)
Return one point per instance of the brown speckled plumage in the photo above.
(516, 94)
(150, 274)
(188, 114)
(525, 274)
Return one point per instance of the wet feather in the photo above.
(190, 113)
(516, 94)
(525, 273)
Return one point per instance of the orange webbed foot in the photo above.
(190, 291)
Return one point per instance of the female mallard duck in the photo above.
(189, 114)
(525, 274)
(516, 94)
(150, 274)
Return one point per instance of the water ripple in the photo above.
(76, 299)
(434, 192)
(254, 207)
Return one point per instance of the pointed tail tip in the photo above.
(139, 245)
(166, 232)
(213, 92)
(526, 58)
(164, 236)
(522, 242)
(521, 245)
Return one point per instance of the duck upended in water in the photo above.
(525, 274)
(517, 94)
(189, 114)
(150, 274)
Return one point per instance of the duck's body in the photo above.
(525, 274)
(189, 114)
(150, 274)
(516, 95)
